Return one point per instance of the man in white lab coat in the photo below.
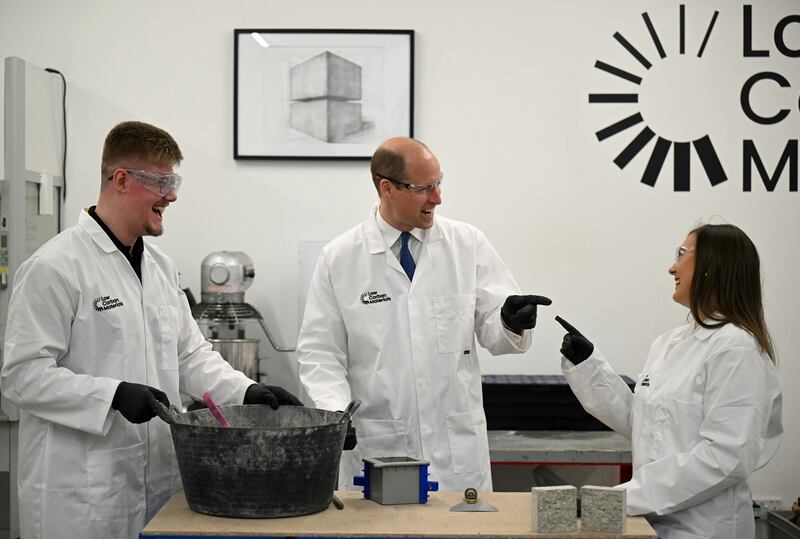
(391, 317)
(98, 330)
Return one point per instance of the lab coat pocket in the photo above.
(455, 322)
(382, 437)
(116, 482)
(167, 345)
(469, 446)
(680, 422)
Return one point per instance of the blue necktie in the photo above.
(406, 260)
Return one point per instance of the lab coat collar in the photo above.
(96, 232)
(374, 235)
(701, 333)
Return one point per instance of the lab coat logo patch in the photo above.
(104, 303)
(373, 297)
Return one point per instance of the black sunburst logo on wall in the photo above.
(681, 148)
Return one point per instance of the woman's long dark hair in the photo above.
(726, 286)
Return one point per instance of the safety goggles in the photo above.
(160, 183)
(419, 190)
(682, 251)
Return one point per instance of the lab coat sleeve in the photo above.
(602, 392)
(40, 314)
(739, 432)
(494, 283)
(201, 368)
(322, 344)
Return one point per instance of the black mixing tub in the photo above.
(267, 463)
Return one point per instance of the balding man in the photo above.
(391, 318)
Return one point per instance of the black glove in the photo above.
(575, 346)
(350, 439)
(519, 312)
(272, 396)
(137, 402)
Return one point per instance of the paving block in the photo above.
(603, 509)
(554, 509)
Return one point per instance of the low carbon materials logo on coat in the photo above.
(104, 303)
(373, 297)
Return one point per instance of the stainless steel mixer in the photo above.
(224, 316)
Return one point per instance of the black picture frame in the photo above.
(320, 94)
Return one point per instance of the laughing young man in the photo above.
(99, 329)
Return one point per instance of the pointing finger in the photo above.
(540, 300)
(566, 325)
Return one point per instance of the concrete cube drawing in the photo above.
(325, 76)
(324, 90)
(325, 119)
(554, 509)
(603, 509)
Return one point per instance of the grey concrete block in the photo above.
(554, 509)
(603, 509)
(325, 76)
(395, 480)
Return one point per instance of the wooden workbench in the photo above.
(365, 518)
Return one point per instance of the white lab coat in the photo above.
(80, 322)
(705, 414)
(407, 350)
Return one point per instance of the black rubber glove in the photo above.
(137, 402)
(519, 312)
(350, 439)
(575, 346)
(272, 396)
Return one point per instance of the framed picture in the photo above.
(320, 94)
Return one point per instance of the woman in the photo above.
(706, 410)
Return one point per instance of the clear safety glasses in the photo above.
(419, 190)
(682, 251)
(159, 183)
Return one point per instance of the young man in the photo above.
(98, 330)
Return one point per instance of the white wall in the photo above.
(501, 97)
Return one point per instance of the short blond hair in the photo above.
(138, 141)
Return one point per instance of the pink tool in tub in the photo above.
(212, 407)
